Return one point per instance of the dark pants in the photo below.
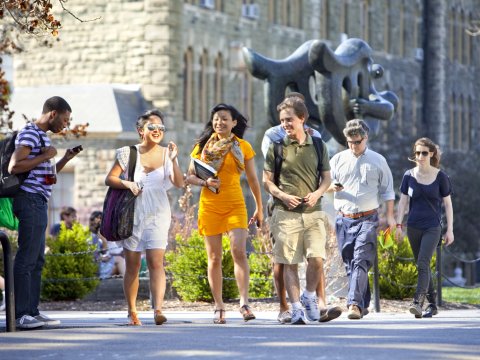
(423, 244)
(31, 211)
(357, 243)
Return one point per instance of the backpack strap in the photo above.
(132, 162)
(278, 156)
(318, 143)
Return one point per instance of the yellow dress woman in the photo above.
(221, 146)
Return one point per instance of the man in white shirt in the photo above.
(361, 179)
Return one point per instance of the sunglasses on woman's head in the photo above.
(159, 127)
(423, 153)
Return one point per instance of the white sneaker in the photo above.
(28, 322)
(298, 317)
(284, 317)
(47, 320)
(311, 307)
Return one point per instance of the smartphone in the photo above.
(338, 184)
(77, 148)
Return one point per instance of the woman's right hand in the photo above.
(212, 182)
(133, 186)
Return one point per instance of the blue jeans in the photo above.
(357, 243)
(31, 211)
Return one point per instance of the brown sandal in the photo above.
(133, 319)
(247, 313)
(219, 316)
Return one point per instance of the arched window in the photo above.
(417, 29)
(401, 30)
(400, 110)
(219, 79)
(386, 28)
(203, 87)
(247, 95)
(467, 124)
(451, 35)
(188, 85)
(452, 121)
(415, 113)
(460, 35)
(459, 124)
(365, 16)
(324, 32)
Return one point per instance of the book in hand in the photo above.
(205, 171)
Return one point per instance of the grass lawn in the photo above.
(460, 295)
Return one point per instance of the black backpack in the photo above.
(9, 183)
(278, 156)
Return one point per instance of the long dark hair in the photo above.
(238, 130)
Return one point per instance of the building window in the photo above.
(324, 34)
(386, 28)
(400, 110)
(417, 36)
(451, 35)
(344, 17)
(415, 114)
(62, 196)
(460, 32)
(203, 87)
(452, 121)
(459, 124)
(188, 85)
(401, 30)
(365, 15)
(246, 93)
(219, 79)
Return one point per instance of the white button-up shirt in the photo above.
(367, 181)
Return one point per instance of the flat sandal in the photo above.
(247, 313)
(219, 316)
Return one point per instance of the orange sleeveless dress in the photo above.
(222, 212)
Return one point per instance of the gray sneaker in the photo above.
(298, 317)
(311, 307)
(28, 322)
(47, 320)
(284, 317)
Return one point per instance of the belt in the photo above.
(359, 214)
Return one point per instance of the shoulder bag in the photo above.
(119, 207)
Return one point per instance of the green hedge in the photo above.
(187, 265)
(397, 269)
(68, 276)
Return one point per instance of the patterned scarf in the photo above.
(215, 149)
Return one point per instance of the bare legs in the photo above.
(157, 277)
(238, 239)
(278, 275)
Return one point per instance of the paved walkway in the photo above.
(453, 334)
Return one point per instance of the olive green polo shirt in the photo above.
(298, 175)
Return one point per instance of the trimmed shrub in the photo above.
(68, 275)
(188, 265)
(397, 268)
(261, 266)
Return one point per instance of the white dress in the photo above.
(152, 208)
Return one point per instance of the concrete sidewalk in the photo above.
(453, 334)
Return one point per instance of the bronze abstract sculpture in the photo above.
(338, 86)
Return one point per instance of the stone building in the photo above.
(185, 56)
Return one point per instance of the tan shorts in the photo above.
(298, 235)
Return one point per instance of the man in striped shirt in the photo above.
(33, 152)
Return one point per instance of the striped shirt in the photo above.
(29, 136)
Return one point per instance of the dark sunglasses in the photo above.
(159, 127)
(356, 142)
(423, 153)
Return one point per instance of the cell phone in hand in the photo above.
(77, 148)
(338, 184)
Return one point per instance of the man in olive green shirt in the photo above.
(297, 224)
